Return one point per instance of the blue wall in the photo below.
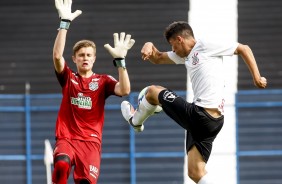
(259, 136)
(27, 120)
(153, 156)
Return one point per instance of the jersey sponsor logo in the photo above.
(93, 86)
(195, 59)
(169, 96)
(81, 101)
(94, 171)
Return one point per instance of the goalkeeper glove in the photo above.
(121, 45)
(64, 10)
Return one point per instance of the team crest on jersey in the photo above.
(93, 86)
(195, 59)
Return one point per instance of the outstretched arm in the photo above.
(121, 45)
(151, 53)
(66, 16)
(247, 55)
(58, 50)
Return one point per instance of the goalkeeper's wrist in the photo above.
(64, 24)
(119, 62)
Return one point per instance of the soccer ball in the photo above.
(141, 96)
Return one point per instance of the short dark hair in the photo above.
(178, 28)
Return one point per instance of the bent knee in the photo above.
(62, 167)
(62, 164)
(155, 87)
(61, 172)
(153, 93)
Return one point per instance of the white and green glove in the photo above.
(65, 14)
(121, 45)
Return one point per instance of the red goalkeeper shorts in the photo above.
(84, 155)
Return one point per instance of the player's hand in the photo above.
(64, 10)
(261, 83)
(147, 50)
(121, 45)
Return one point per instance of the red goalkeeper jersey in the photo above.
(81, 114)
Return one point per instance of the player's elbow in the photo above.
(56, 57)
(125, 92)
(242, 49)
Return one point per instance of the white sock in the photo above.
(205, 180)
(144, 110)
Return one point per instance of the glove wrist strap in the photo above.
(64, 24)
(119, 62)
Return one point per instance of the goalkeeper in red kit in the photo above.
(80, 119)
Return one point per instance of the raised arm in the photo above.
(247, 55)
(121, 45)
(58, 50)
(64, 10)
(151, 53)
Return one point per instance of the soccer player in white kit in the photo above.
(203, 118)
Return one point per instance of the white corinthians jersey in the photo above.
(206, 71)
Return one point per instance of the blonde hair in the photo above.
(84, 43)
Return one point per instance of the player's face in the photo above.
(177, 45)
(84, 59)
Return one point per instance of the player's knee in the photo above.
(61, 169)
(153, 88)
(153, 92)
(62, 166)
(61, 172)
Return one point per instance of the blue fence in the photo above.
(31, 109)
(259, 136)
(26, 120)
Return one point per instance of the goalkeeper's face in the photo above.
(84, 59)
